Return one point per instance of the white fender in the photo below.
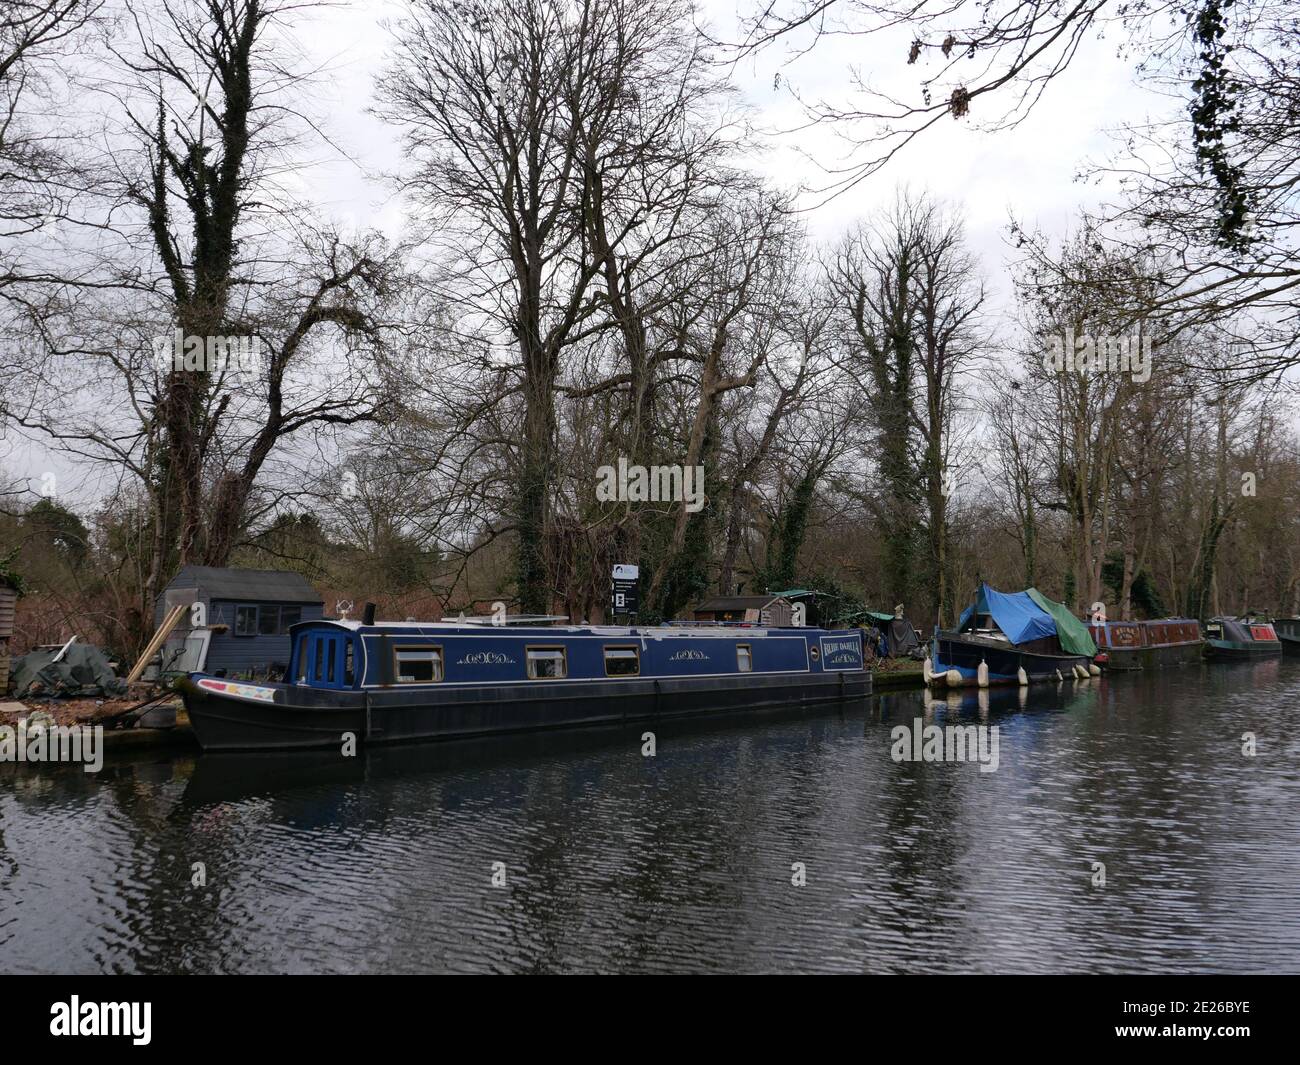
(1080, 672)
(1058, 676)
(954, 678)
(1022, 677)
(927, 671)
(1094, 670)
(982, 674)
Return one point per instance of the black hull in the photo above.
(1004, 661)
(1263, 649)
(1122, 659)
(303, 717)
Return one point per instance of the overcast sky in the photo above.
(1029, 170)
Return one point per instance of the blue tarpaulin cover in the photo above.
(1014, 613)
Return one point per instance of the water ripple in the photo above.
(608, 861)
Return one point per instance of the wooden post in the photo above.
(159, 638)
(8, 604)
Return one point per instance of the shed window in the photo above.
(622, 662)
(275, 620)
(245, 620)
(547, 663)
(418, 665)
(744, 658)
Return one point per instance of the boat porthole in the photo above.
(815, 654)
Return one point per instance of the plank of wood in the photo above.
(159, 638)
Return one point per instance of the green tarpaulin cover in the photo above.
(1072, 632)
(82, 671)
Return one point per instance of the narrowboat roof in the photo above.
(421, 628)
(1143, 621)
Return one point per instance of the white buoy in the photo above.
(1022, 677)
(1094, 670)
(954, 678)
(982, 674)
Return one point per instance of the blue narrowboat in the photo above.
(391, 682)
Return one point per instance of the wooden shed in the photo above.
(245, 619)
(774, 610)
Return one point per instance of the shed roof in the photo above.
(268, 585)
(738, 602)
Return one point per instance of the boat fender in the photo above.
(1058, 675)
(1083, 672)
(982, 674)
(954, 678)
(927, 671)
(1022, 677)
(1094, 670)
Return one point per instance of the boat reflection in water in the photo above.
(229, 776)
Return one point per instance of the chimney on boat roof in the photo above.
(368, 618)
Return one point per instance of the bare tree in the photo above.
(491, 99)
(217, 321)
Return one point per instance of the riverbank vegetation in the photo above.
(593, 271)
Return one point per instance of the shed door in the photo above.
(325, 660)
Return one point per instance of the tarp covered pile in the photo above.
(1030, 615)
(81, 672)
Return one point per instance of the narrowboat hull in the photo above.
(1134, 658)
(1288, 634)
(299, 716)
(1004, 660)
(1234, 650)
(1154, 644)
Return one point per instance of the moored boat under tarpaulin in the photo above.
(1016, 637)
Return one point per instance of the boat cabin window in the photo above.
(547, 663)
(417, 665)
(622, 662)
(744, 658)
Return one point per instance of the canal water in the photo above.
(607, 860)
